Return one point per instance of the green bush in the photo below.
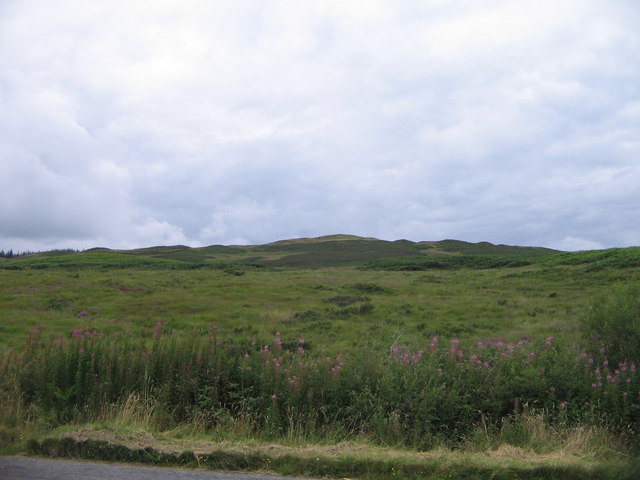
(611, 327)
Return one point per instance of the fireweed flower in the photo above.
(434, 344)
(158, 330)
(417, 356)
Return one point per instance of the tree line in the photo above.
(10, 253)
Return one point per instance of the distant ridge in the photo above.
(337, 250)
(340, 250)
(329, 251)
(323, 238)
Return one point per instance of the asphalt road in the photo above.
(26, 468)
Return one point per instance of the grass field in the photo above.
(332, 307)
(377, 295)
(365, 309)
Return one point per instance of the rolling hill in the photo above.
(326, 251)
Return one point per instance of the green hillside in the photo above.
(336, 290)
(328, 251)
(404, 344)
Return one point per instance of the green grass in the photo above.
(339, 293)
(355, 459)
(535, 300)
(599, 259)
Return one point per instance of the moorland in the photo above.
(355, 356)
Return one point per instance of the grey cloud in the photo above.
(215, 122)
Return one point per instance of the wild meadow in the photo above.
(541, 355)
(438, 395)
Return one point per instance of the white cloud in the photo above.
(574, 244)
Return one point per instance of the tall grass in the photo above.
(444, 393)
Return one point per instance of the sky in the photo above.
(136, 123)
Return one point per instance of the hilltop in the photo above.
(325, 251)
(328, 251)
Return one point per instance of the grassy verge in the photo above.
(578, 458)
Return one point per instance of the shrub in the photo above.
(392, 395)
(613, 322)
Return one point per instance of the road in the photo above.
(26, 468)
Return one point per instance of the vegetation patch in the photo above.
(340, 460)
(497, 362)
(346, 300)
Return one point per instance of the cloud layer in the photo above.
(137, 123)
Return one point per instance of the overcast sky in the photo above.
(157, 122)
